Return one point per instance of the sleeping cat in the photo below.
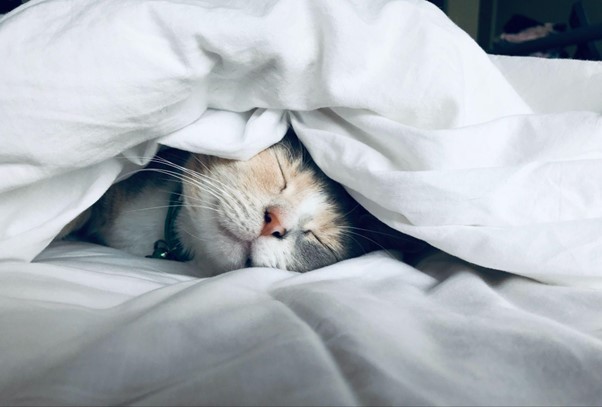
(277, 209)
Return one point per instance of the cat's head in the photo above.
(277, 209)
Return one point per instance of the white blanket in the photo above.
(495, 160)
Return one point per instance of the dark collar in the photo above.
(170, 248)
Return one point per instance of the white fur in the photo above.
(308, 207)
(140, 222)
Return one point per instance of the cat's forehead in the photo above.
(305, 186)
(277, 167)
(311, 203)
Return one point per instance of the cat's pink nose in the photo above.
(273, 225)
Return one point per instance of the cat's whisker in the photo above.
(349, 233)
(150, 208)
(356, 241)
(210, 188)
(351, 211)
(199, 203)
(172, 174)
(167, 206)
(195, 174)
(194, 183)
(371, 231)
(234, 202)
(216, 187)
(195, 236)
(216, 194)
(190, 199)
(208, 184)
(332, 251)
(238, 208)
(245, 210)
(211, 175)
(177, 175)
(186, 173)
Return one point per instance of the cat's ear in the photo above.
(378, 236)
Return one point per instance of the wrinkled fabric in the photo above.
(494, 160)
(88, 325)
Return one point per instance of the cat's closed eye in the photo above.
(284, 182)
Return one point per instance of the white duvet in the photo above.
(494, 160)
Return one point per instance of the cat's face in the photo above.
(275, 210)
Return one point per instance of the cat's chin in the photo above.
(233, 254)
(226, 252)
(213, 251)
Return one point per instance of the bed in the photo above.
(494, 161)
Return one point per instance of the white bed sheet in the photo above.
(495, 160)
(89, 325)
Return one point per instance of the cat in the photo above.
(277, 209)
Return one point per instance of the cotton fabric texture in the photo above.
(497, 161)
